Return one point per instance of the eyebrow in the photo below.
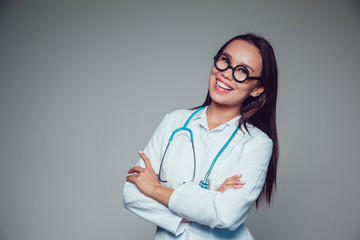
(228, 55)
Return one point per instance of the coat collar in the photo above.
(202, 119)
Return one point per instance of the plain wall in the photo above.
(83, 85)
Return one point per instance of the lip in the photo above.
(221, 89)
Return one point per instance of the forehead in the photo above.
(242, 52)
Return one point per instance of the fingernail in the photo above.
(140, 152)
(239, 175)
(243, 182)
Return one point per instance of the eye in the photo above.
(241, 70)
(240, 73)
(224, 59)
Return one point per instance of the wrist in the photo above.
(162, 194)
(155, 191)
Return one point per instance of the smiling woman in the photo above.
(203, 184)
(229, 85)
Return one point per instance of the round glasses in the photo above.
(240, 72)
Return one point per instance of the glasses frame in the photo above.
(233, 69)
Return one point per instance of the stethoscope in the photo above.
(205, 182)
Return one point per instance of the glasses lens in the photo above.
(241, 73)
(222, 62)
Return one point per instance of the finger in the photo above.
(238, 176)
(145, 159)
(233, 186)
(233, 181)
(239, 182)
(220, 189)
(233, 178)
(136, 169)
(131, 178)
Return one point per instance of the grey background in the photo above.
(83, 85)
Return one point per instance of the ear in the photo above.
(257, 91)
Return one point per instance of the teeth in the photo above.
(222, 85)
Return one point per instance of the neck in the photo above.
(219, 114)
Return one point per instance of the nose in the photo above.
(227, 74)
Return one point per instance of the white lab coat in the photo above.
(212, 215)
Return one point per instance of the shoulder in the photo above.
(178, 117)
(256, 136)
(180, 113)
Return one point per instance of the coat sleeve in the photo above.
(230, 208)
(143, 206)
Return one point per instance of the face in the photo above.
(223, 89)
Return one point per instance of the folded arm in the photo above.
(230, 208)
(227, 207)
(143, 206)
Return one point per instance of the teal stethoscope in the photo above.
(205, 182)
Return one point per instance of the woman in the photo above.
(168, 187)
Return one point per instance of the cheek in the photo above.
(246, 87)
(213, 73)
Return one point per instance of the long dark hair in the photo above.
(261, 111)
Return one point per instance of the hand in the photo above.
(144, 178)
(233, 182)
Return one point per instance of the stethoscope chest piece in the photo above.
(204, 183)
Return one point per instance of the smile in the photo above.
(222, 85)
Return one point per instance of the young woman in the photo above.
(204, 169)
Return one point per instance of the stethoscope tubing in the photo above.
(205, 182)
(185, 128)
(162, 160)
